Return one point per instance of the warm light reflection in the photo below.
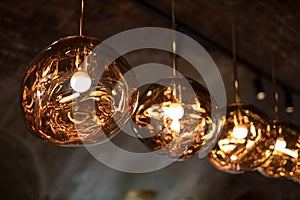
(245, 142)
(280, 145)
(284, 159)
(173, 118)
(233, 157)
(69, 98)
(58, 102)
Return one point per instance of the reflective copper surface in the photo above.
(284, 161)
(246, 140)
(173, 117)
(65, 97)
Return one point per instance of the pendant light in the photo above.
(173, 115)
(68, 95)
(260, 92)
(245, 141)
(284, 161)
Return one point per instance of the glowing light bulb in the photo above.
(240, 131)
(261, 95)
(280, 144)
(81, 81)
(170, 112)
(174, 111)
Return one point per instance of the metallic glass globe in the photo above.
(173, 118)
(245, 142)
(70, 95)
(284, 161)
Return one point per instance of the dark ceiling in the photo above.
(32, 169)
(260, 27)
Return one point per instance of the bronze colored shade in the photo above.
(173, 118)
(70, 95)
(284, 161)
(245, 142)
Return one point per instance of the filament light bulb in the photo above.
(240, 131)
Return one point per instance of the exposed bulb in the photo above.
(261, 95)
(174, 112)
(240, 131)
(81, 81)
(280, 144)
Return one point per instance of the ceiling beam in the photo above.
(205, 41)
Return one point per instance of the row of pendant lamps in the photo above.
(58, 111)
(250, 140)
(65, 103)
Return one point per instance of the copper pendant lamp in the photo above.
(284, 161)
(246, 140)
(69, 94)
(173, 116)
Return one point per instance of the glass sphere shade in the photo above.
(71, 95)
(173, 118)
(245, 142)
(284, 161)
